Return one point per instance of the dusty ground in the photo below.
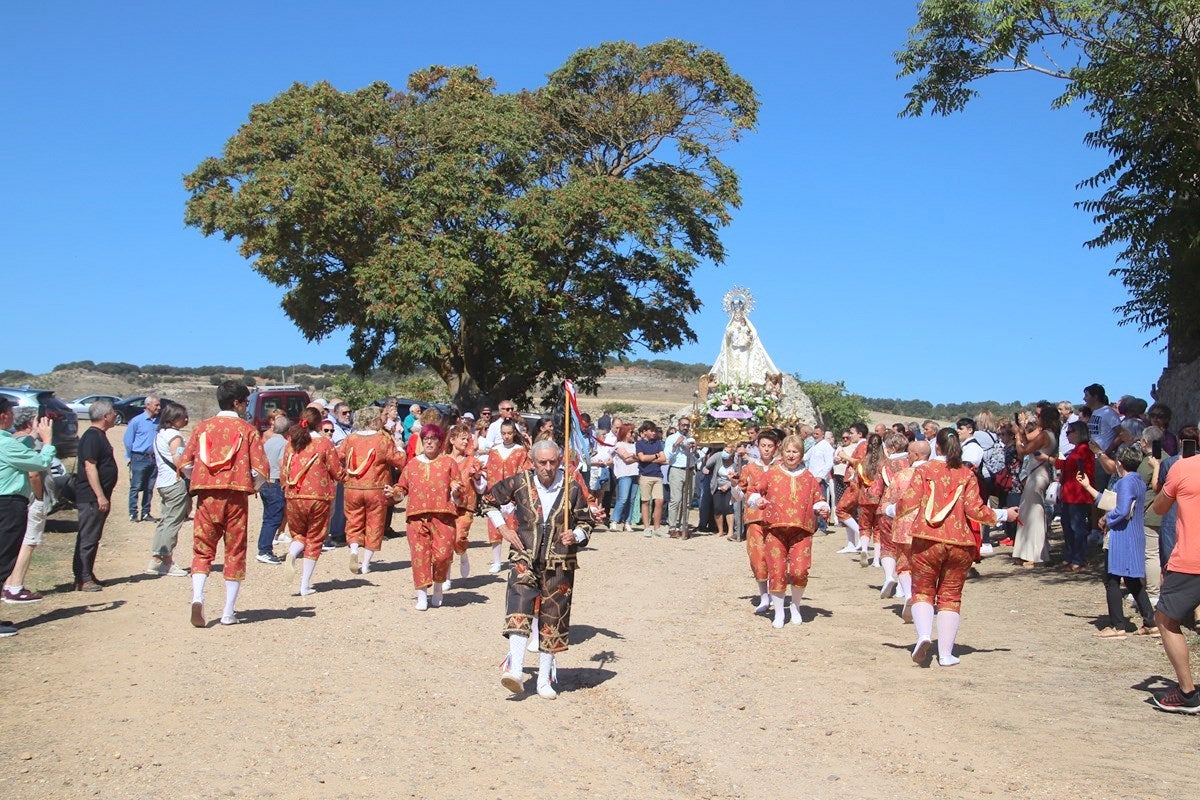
(672, 687)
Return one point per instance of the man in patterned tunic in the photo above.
(226, 463)
(544, 549)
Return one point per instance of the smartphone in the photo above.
(1187, 448)
(1156, 449)
(1017, 419)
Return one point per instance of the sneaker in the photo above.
(148, 518)
(89, 586)
(328, 545)
(647, 532)
(23, 596)
(494, 568)
(1006, 542)
(156, 567)
(848, 549)
(7, 630)
(661, 533)
(133, 517)
(1175, 702)
(176, 571)
(268, 558)
(985, 550)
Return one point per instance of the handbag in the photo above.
(1106, 500)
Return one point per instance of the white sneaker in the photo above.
(848, 549)
(513, 681)
(546, 692)
(308, 591)
(797, 618)
(985, 549)
(232, 619)
(889, 588)
(422, 601)
(446, 585)
(494, 568)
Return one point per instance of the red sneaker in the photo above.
(23, 596)
(1006, 542)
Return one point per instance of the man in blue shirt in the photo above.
(139, 455)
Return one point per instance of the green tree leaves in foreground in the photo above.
(1135, 65)
(503, 240)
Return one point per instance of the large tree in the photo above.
(1134, 65)
(504, 240)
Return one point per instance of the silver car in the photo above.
(80, 404)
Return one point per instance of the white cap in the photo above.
(468, 415)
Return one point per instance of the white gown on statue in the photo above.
(743, 359)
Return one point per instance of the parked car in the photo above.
(65, 425)
(292, 399)
(129, 407)
(80, 404)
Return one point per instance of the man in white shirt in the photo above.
(681, 458)
(508, 411)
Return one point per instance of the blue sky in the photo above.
(939, 258)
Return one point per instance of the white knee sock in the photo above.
(436, 599)
(777, 608)
(905, 581)
(797, 596)
(947, 628)
(310, 565)
(231, 593)
(296, 548)
(198, 579)
(516, 652)
(922, 614)
(535, 638)
(496, 551)
(366, 560)
(354, 548)
(464, 566)
(545, 669)
(889, 569)
(764, 599)
(852, 531)
(875, 556)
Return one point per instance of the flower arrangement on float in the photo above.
(741, 402)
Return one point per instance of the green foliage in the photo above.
(1134, 66)
(117, 368)
(426, 387)
(924, 409)
(837, 408)
(618, 407)
(75, 365)
(672, 369)
(356, 391)
(502, 240)
(15, 376)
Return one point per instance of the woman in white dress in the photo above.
(1038, 446)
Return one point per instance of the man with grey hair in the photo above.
(139, 455)
(95, 479)
(17, 460)
(552, 523)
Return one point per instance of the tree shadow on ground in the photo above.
(137, 577)
(334, 584)
(267, 614)
(62, 525)
(582, 633)
(58, 614)
(389, 566)
(457, 599)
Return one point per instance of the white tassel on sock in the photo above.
(231, 595)
(546, 676)
(777, 609)
(310, 566)
(947, 628)
(764, 600)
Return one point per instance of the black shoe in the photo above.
(148, 518)
(133, 518)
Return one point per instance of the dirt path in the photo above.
(672, 688)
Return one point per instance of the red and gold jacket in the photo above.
(429, 484)
(790, 498)
(501, 466)
(313, 473)
(944, 499)
(369, 459)
(222, 451)
(751, 474)
(468, 470)
(895, 487)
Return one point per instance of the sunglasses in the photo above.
(326, 430)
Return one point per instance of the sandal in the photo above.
(1109, 633)
(1145, 631)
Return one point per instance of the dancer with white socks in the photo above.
(870, 489)
(791, 498)
(370, 455)
(896, 449)
(507, 458)
(946, 494)
(756, 529)
(847, 505)
(461, 442)
(310, 470)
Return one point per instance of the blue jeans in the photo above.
(1076, 520)
(142, 472)
(621, 506)
(272, 500)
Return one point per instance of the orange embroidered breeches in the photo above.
(220, 515)
(366, 517)
(308, 522)
(789, 557)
